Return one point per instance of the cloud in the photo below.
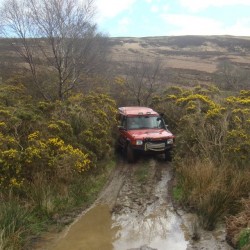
(195, 25)
(123, 27)
(112, 8)
(188, 24)
(240, 28)
(194, 5)
(165, 7)
(154, 8)
(124, 22)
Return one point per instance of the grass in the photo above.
(42, 196)
(142, 172)
(244, 239)
(177, 193)
(212, 192)
(85, 189)
(47, 204)
(17, 223)
(237, 226)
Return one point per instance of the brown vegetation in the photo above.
(211, 155)
(52, 150)
(185, 59)
(238, 227)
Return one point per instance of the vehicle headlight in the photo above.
(170, 141)
(139, 142)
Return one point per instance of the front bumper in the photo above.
(153, 146)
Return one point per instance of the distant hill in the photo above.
(185, 58)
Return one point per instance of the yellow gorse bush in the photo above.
(208, 125)
(10, 158)
(10, 172)
(238, 137)
(33, 136)
(54, 156)
(94, 122)
(212, 148)
(58, 139)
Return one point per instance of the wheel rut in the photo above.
(135, 212)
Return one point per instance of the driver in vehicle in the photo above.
(133, 123)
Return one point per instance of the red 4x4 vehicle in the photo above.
(143, 129)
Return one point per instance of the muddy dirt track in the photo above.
(135, 212)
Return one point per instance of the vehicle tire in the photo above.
(118, 148)
(168, 155)
(130, 154)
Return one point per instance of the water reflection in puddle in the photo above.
(161, 231)
(97, 230)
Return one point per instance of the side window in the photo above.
(123, 121)
(161, 123)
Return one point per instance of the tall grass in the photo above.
(15, 225)
(238, 227)
(44, 203)
(46, 198)
(85, 189)
(212, 191)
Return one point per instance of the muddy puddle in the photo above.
(156, 227)
(92, 231)
(97, 230)
(133, 216)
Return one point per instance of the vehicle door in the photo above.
(122, 131)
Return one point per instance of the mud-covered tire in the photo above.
(167, 155)
(130, 154)
(117, 148)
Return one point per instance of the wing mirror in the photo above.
(121, 128)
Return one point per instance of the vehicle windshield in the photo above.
(145, 122)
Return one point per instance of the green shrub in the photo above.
(244, 239)
(16, 224)
(177, 193)
(212, 148)
(237, 226)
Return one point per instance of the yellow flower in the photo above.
(15, 183)
(2, 124)
(11, 153)
(33, 136)
(56, 142)
(53, 126)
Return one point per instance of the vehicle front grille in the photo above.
(155, 146)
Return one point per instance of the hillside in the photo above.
(184, 58)
(58, 131)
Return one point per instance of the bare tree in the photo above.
(231, 76)
(142, 77)
(68, 41)
(17, 23)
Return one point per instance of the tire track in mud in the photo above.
(146, 216)
(134, 211)
(112, 189)
(123, 182)
(141, 209)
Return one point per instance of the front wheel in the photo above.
(130, 154)
(117, 147)
(167, 155)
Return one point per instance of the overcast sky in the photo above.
(140, 18)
